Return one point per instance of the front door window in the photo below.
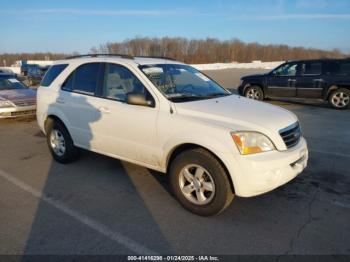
(286, 70)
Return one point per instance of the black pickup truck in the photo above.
(326, 79)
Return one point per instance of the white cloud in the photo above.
(177, 12)
(291, 16)
(313, 4)
(88, 12)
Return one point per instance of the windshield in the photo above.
(10, 83)
(181, 83)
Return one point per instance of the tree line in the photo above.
(192, 51)
(7, 59)
(212, 50)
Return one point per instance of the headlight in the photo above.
(5, 104)
(252, 142)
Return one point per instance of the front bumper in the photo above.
(12, 112)
(259, 173)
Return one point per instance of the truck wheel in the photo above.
(340, 98)
(254, 92)
(60, 142)
(200, 182)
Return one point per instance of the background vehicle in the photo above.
(24, 67)
(7, 72)
(326, 79)
(170, 117)
(16, 99)
(35, 74)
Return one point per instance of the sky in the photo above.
(68, 25)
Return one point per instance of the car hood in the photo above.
(254, 76)
(17, 94)
(239, 113)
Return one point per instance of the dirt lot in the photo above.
(230, 78)
(100, 205)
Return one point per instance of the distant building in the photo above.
(19, 63)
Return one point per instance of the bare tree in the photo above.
(193, 51)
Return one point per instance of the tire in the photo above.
(254, 92)
(60, 142)
(340, 98)
(214, 186)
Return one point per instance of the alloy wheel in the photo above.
(340, 99)
(196, 184)
(57, 142)
(253, 94)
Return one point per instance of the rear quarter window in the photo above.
(341, 68)
(52, 74)
(345, 68)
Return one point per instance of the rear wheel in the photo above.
(60, 142)
(200, 183)
(340, 98)
(254, 92)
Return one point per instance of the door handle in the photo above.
(319, 80)
(60, 100)
(292, 80)
(104, 110)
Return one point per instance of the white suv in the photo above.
(169, 117)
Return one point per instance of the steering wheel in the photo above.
(189, 88)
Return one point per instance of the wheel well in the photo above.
(188, 146)
(254, 84)
(53, 118)
(335, 87)
(330, 90)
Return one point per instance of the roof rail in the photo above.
(159, 57)
(97, 55)
(119, 55)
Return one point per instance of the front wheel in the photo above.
(254, 92)
(340, 98)
(200, 183)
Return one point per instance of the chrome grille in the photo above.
(25, 102)
(23, 113)
(291, 135)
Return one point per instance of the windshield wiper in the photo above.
(189, 97)
(177, 97)
(212, 95)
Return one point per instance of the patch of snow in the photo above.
(14, 69)
(257, 64)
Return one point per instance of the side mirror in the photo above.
(138, 99)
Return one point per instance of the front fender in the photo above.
(216, 146)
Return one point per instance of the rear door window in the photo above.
(84, 79)
(311, 68)
(52, 74)
(68, 84)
